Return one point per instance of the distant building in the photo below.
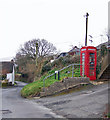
(7, 67)
(8, 70)
(63, 54)
(11, 76)
(74, 51)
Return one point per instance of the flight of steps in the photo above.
(106, 73)
(105, 68)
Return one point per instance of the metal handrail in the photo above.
(59, 71)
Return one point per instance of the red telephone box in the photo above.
(88, 62)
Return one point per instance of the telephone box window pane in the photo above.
(83, 49)
(83, 63)
(91, 49)
(83, 56)
(91, 63)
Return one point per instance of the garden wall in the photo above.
(64, 85)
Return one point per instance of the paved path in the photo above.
(14, 106)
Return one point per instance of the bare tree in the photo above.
(45, 48)
(27, 54)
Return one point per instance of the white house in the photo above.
(11, 76)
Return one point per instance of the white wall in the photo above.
(9, 77)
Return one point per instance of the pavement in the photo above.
(88, 102)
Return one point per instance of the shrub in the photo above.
(3, 77)
(45, 68)
(52, 71)
(66, 61)
(75, 59)
(4, 83)
(46, 62)
(98, 68)
(103, 50)
(55, 63)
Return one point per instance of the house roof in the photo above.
(75, 49)
(62, 54)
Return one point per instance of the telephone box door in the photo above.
(92, 66)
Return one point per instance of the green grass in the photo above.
(34, 88)
(108, 115)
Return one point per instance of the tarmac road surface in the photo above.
(89, 102)
(14, 106)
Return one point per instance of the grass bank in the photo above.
(35, 88)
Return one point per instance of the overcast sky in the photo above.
(60, 22)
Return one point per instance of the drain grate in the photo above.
(5, 111)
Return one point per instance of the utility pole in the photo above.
(86, 28)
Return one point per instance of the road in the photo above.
(89, 102)
(14, 106)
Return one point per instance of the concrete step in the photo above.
(106, 73)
